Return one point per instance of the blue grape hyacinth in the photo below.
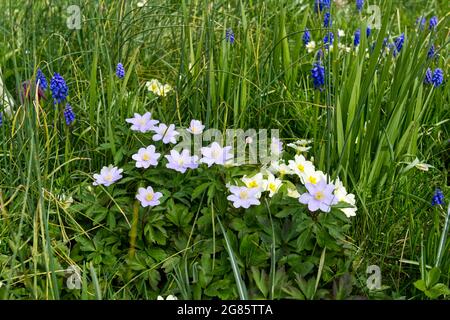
(438, 77)
(229, 36)
(438, 198)
(359, 5)
(1, 119)
(318, 75)
(328, 39)
(40, 78)
(428, 76)
(59, 88)
(69, 115)
(421, 22)
(327, 20)
(398, 42)
(357, 37)
(431, 52)
(433, 22)
(306, 37)
(322, 4)
(368, 32)
(120, 71)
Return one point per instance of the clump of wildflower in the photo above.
(108, 175)
(59, 88)
(438, 198)
(69, 115)
(306, 37)
(41, 80)
(229, 36)
(433, 22)
(120, 71)
(318, 75)
(147, 197)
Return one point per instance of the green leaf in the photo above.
(433, 277)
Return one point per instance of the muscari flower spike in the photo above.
(357, 37)
(328, 39)
(433, 22)
(438, 198)
(428, 76)
(322, 4)
(40, 77)
(69, 115)
(421, 22)
(327, 20)
(431, 52)
(368, 32)
(229, 36)
(438, 77)
(359, 5)
(398, 42)
(1, 119)
(306, 37)
(120, 71)
(318, 75)
(59, 88)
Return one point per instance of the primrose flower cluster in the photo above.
(158, 88)
(319, 193)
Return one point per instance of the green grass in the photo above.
(374, 115)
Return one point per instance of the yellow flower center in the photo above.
(312, 179)
(252, 184)
(109, 177)
(243, 195)
(215, 154)
(319, 195)
(301, 167)
(180, 162)
(149, 196)
(146, 157)
(141, 121)
(272, 187)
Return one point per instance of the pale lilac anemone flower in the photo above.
(319, 196)
(142, 123)
(148, 197)
(244, 197)
(108, 175)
